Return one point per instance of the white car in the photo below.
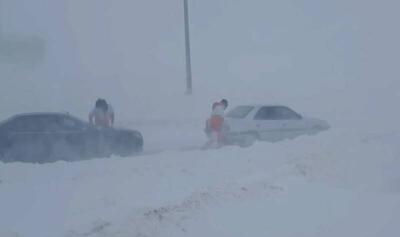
(248, 123)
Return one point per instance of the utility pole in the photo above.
(1, 30)
(189, 88)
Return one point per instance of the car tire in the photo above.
(248, 140)
(25, 151)
(62, 150)
(314, 130)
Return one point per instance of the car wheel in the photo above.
(314, 130)
(62, 150)
(248, 140)
(3, 155)
(33, 151)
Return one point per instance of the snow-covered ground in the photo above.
(337, 183)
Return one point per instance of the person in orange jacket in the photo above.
(215, 125)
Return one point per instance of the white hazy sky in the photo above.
(330, 58)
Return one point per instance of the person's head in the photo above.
(215, 104)
(101, 104)
(98, 103)
(225, 103)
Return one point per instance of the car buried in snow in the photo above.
(248, 123)
(48, 137)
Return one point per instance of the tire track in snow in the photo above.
(152, 221)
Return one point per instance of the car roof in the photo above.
(263, 105)
(34, 114)
(39, 114)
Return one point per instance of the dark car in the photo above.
(47, 137)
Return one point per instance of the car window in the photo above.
(239, 111)
(69, 123)
(32, 124)
(276, 113)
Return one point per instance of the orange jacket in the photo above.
(216, 122)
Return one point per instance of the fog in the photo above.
(335, 60)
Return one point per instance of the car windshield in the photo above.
(240, 111)
(276, 113)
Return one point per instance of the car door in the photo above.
(27, 128)
(268, 125)
(86, 140)
(28, 139)
(70, 141)
(291, 123)
(238, 119)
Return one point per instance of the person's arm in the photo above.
(91, 115)
(112, 118)
(207, 128)
(111, 113)
(225, 127)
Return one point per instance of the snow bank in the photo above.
(336, 183)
